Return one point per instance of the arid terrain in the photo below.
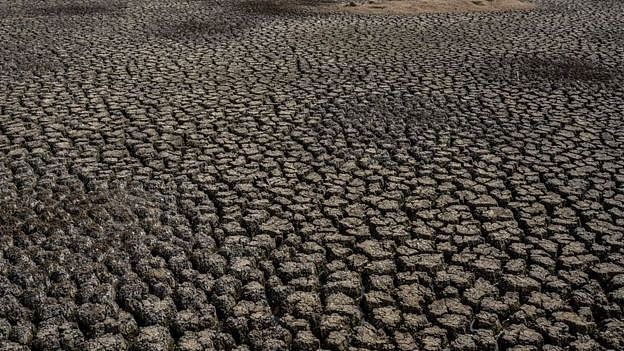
(413, 7)
(294, 175)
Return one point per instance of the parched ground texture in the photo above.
(248, 175)
(410, 7)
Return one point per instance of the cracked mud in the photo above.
(255, 175)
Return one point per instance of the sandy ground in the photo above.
(407, 7)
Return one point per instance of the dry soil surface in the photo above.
(413, 7)
(185, 175)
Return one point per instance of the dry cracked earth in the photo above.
(252, 175)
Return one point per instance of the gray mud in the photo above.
(248, 175)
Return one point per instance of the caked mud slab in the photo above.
(249, 175)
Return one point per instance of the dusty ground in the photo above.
(412, 7)
(250, 175)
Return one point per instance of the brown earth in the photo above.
(237, 175)
(410, 7)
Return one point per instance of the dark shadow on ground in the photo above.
(281, 7)
(78, 8)
(230, 18)
(566, 68)
(554, 68)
